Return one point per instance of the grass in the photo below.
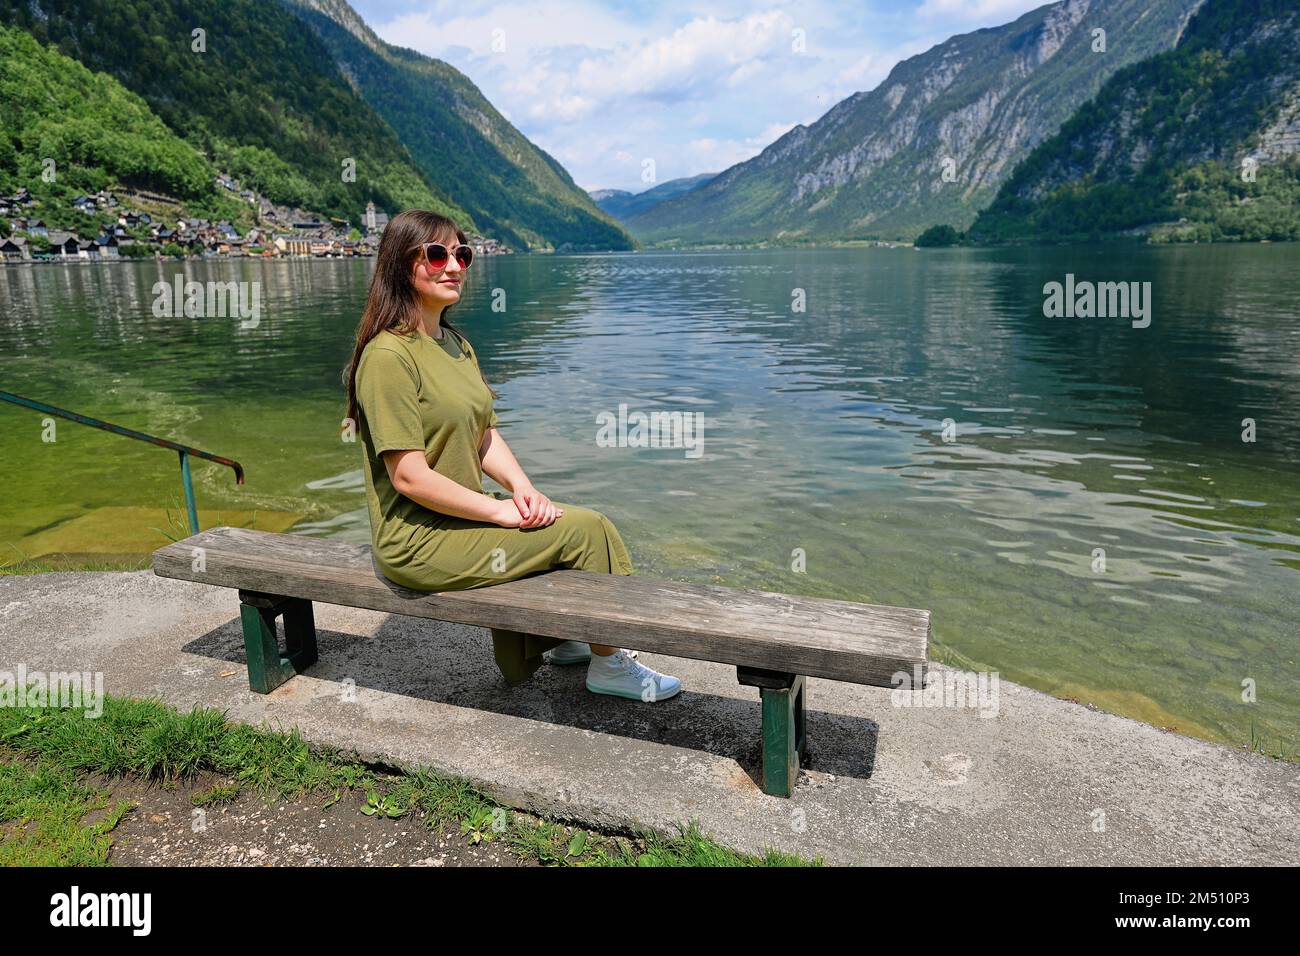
(178, 522)
(21, 564)
(42, 817)
(1259, 744)
(41, 811)
(39, 567)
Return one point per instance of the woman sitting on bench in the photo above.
(428, 430)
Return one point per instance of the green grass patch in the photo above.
(42, 817)
(48, 564)
(151, 741)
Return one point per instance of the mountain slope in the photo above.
(264, 100)
(873, 164)
(624, 205)
(514, 190)
(1168, 139)
(66, 131)
(96, 132)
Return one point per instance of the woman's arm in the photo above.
(411, 476)
(500, 465)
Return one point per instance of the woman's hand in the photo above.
(535, 509)
(506, 513)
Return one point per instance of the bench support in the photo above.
(267, 667)
(783, 726)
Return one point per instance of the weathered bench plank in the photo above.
(760, 630)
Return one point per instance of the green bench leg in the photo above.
(267, 667)
(783, 699)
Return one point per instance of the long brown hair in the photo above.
(393, 302)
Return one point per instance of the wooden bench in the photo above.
(774, 640)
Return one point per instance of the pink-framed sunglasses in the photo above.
(436, 254)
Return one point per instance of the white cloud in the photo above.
(711, 155)
(691, 63)
(519, 27)
(601, 86)
(862, 71)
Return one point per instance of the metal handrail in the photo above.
(185, 451)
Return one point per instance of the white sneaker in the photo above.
(618, 675)
(570, 652)
(574, 652)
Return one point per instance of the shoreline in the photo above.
(659, 250)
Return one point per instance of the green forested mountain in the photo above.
(66, 131)
(94, 130)
(263, 100)
(971, 107)
(1202, 142)
(515, 191)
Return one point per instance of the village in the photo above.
(123, 232)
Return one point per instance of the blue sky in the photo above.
(605, 86)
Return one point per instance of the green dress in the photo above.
(415, 391)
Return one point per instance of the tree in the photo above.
(935, 236)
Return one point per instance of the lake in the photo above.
(1071, 497)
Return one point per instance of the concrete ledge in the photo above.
(887, 785)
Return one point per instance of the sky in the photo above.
(627, 95)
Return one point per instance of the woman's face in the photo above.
(441, 286)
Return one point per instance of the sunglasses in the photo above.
(436, 254)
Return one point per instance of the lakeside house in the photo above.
(11, 206)
(292, 244)
(33, 227)
(65, 245)
(15, 249)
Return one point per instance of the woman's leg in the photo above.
(459, 554)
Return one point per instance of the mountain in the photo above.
(1202, 142)
(624, 205)
(95, 131)
(513, 189)
(67, 132)
(254, 91)
(874, 164)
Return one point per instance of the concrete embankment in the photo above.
(1042, 781)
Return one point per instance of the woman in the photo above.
(424, 413)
